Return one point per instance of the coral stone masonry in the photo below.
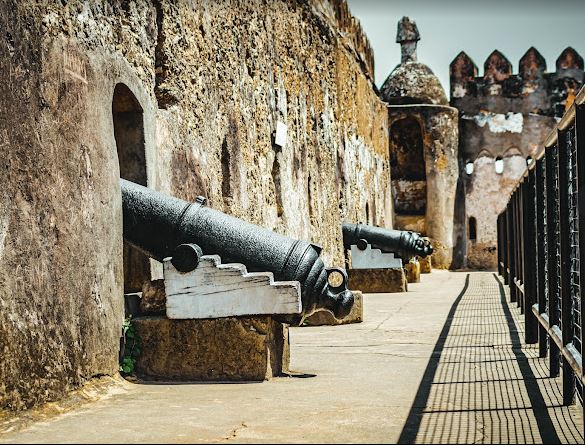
(185, 97)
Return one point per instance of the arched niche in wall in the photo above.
(407, 163)
(515, 162)
(128, 122)
(482, 162)
(484, 154)
(512, 151)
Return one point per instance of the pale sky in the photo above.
(474, 26)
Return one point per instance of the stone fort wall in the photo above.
(187, 97)
(503, 117)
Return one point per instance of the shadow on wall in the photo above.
(408, 171)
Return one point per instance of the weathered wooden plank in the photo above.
(215, 290)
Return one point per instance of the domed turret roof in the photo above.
(411, 82)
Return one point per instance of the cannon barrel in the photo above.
(401, 242)
(157, 223)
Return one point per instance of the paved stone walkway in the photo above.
(482, 385)
(441, 364)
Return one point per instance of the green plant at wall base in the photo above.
(131, 347)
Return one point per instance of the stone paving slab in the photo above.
(417, 370)
(485, 385)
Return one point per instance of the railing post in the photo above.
(552, 247)
(563, 172)
(512, 246)
(499, 244)
(505, 244)
(541, 253)
(518, 247)
(531, 322)
(522, 243)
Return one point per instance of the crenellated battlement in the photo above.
(532, 90)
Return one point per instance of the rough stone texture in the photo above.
(501, 134)
(425, 265)
(153, 298)
(247, 348)
(503, 116)
(208, 81)
(61, 305)
(372, 281)
(326, 318)
(413, 82)
(413, 271)
(287, 64)
(487, 194)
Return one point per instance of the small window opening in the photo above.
(310, 198)
(499, 165)
(469, 167)
(529, 160)
(472, 229)
(367, 213)
(226, 180)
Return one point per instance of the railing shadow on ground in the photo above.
(480, 384)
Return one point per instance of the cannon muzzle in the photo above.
(403, 243)
(158, 224)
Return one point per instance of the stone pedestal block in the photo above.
(413, 223)
(412, 272)
(325, 318)
(223, 349)
(425, 264)
(377, 280)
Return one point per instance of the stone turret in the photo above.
(423, 147)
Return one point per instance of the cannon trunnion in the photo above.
(403, 243)
(157, 224)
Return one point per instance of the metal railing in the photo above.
(540, 236)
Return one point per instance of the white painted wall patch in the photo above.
(281, 134)
(499, 123)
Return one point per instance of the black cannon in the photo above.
(158, 224)
(403, 243)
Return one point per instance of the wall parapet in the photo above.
(531, 90)
(353, 36)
